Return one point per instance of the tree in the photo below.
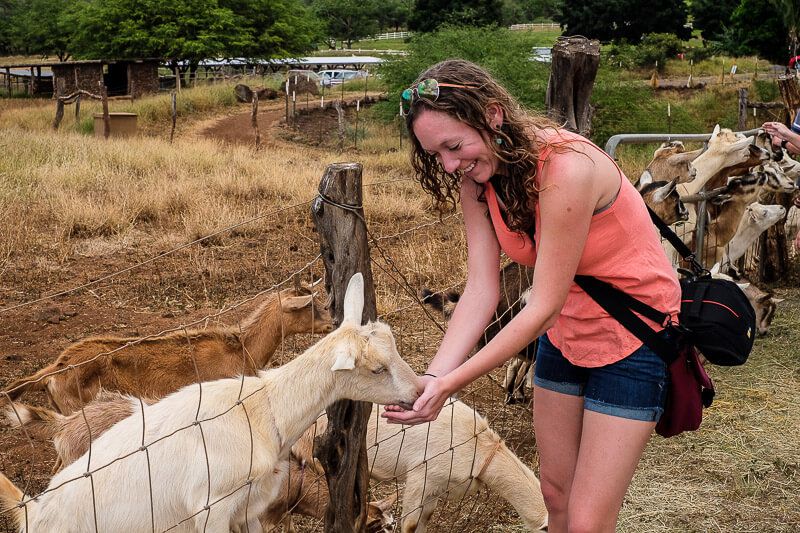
(430, 14)
(41, 27)
(348, 20)
(394, 14)
(179, 30)
(757, 27)
(609, 20)
(526, 11)
(273, 28)
(712, 16)
(192, 30)
(790, 10)
(6, 12)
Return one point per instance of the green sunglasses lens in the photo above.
(405, 101)
(428, 88)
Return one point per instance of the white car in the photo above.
(339, 76)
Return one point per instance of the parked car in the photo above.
(339, 76)
(541, 54)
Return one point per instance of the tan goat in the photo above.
(671, 162)
(154, 367)
(304, 491)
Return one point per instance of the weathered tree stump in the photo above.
(572, 74)
(338, 217)
(790, 93)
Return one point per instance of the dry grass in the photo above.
(73, 208)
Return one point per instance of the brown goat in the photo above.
(304, 491)
(154, 367)
(671, 162)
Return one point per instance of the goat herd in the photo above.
(142, 447)
(187, 432)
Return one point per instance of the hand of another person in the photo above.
(777, 130)
(426, 408)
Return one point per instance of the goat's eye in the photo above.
(379, 370)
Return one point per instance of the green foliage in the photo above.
(40, 27)
(431, 14)
(654, 48)
(712, 16)
(527, 11)
(394, 14)
(348, 20)
(757, 27)
(504, 53)
(609, 20)
(764, 91)
(6, 11)
(191, 29)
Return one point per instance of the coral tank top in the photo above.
(623, 248)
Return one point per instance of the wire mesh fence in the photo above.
(410, 467)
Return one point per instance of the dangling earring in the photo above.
(497, 138)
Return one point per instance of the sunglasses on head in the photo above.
(428, 89)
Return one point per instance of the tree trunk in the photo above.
(343, 244)
(572, 73)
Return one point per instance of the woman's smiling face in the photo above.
(456, 145)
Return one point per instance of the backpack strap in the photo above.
(621, 305)
(677, 243)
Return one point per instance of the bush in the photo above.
(654, 48)
(502, 52)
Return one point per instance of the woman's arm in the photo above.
(566, 205)
(477, 304)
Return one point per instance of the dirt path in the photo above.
(235, 127)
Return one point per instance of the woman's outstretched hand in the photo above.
(427, 406)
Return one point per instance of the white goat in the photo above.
(304, 491)
(452, 457)
(756, 219)
(212, 456)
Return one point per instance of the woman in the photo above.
(550, 199)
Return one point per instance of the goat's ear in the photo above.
(354, 300)
(743, 286)
(715, 132)
(665, 190)
(385, 504)
(345, 359)
(296, 302)
(777, 300)
(644, 179)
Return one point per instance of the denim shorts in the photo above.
(634, 387)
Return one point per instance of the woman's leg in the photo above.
(610, 449)
(558, 420)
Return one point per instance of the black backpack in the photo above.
(716, 317)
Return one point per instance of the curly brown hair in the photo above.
(518, 150)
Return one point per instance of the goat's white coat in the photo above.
(458, 452)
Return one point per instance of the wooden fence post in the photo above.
(59, 104)
(106, 118)
(343, 243)
(173, 114)
(742, 109)
(254, 119)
